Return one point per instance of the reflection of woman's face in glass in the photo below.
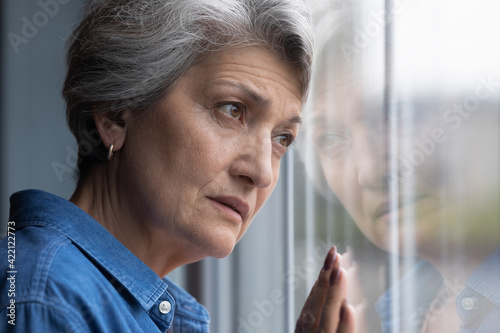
(427, 175)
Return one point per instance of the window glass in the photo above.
(401, 152)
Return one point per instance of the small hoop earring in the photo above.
(110, 152)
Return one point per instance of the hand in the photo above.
(326, 309)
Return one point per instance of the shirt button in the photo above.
(165, 307)
(469, 303)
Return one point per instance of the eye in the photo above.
(328, 139)
(285, 140)
(330, 142)
(233, 110)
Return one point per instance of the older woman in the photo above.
(192, 105)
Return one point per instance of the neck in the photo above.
(101, 196)
(458, 266)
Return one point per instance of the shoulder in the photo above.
(37, 282)
(48, 263)
(59, 286)
(44, 259)
(32, 250)
(50, 273)
(40, 317)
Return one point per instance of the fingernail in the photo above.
(330, 259)
(335, 276)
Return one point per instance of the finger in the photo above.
(311, 313)
(340, 258)
(347, 322)
(335, 298)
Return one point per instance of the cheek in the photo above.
(166, 158)
(191, 153)
(342, 180)
(159, 158)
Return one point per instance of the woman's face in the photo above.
(199, 167)
(425, 179)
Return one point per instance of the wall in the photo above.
(37, 150)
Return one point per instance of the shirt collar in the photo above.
(485, 281)
(39, 208)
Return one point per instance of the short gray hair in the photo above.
(127, 54)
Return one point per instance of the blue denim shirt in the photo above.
(69, 274)
(477, 302)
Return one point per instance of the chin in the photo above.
(222, 251)
(219, 245)
(222, 254)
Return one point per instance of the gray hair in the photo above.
(127, 54)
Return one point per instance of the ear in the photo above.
(112, 131)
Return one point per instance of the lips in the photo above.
(388, 207)
(236, 204)
(382, 209)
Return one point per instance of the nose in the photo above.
(254, 164)
(371, 158)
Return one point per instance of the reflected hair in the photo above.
(128, 54)
(333, 27)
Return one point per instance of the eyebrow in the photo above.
(295, 120)
(255, 96)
